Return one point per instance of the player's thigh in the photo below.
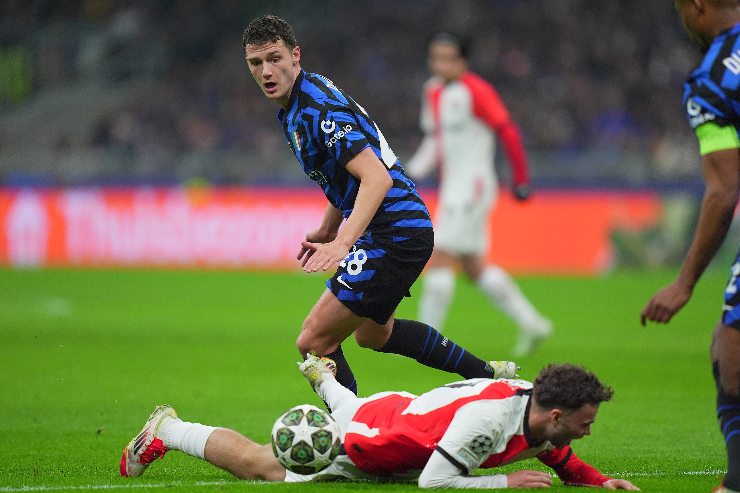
(442, 259)
(462, 229)
(726, 351)
(328, 323)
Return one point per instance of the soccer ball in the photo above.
(305, 439)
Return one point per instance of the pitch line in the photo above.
(94, 487)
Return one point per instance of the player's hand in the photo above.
(317, 236)
(322, 256)
(529, 479)
(522, 191)
(619, 484)
(666, 303)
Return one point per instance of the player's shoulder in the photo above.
(476, 83)
(721, 58)
(322, 94)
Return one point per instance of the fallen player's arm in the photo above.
(574, 472)
(442, 472)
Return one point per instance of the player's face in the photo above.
(445, 61)
(566, 426)
(274, 67)
(693, 21)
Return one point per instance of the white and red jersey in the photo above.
(460, 121)
(474, 423)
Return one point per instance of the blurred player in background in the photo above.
(461, 114)
(437, 439)
(387, 235)
(712, 101)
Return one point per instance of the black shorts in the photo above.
(378, 273)
(731, 309)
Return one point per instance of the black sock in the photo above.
(344, 372)
(427, 346)
(728, 412)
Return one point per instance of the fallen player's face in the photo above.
(572, 425)
(274, 67)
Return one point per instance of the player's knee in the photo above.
(310, 340)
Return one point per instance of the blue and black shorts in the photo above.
(731, 309)
(378, 273)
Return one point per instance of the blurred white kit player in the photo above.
(461, 115)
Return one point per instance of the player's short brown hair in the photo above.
(268, 29)
(567, 386)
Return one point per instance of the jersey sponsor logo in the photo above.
(732, 63)
(328, 126)
(318, 177)
(339, 135)
(696, 117)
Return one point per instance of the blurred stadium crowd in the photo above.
(131, 92)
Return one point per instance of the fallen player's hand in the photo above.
(522, 191)
(619, 484)
(529, 479)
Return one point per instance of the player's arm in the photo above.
(488, 106)
(441, 472)
(423, 162)
(375, 181)
(720, 161)
(574, 472)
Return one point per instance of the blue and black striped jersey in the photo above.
(712, 91)
(326, 128)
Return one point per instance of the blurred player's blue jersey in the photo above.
(712, 96)
(326, 129)
(712, 92)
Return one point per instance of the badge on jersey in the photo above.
(296, 140)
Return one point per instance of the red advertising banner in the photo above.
(555, 232)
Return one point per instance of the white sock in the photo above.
(439, 286)
(504, 292)
(334, 394)
(190, 438)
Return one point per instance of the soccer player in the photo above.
(387, 235)
(461, 115)
(437, 438)
(711, 97)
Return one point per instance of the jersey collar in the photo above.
(293, 95)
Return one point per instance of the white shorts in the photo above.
(462, 228)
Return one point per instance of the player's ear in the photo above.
(296, 55)
(555, 415)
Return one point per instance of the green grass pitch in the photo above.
(86, 354)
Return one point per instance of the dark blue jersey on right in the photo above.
(326, 129)
(712, 91)
(712, 95)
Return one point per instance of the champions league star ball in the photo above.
(305, 439)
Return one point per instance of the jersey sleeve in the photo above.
(488, 107)
(571, 469)
(706, 102)
(341, 132)
(477, 431)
